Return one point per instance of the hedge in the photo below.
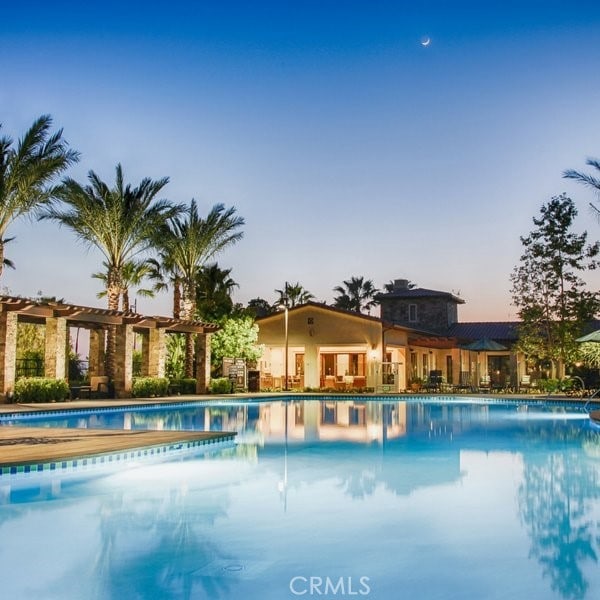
(220, 385)
(146, 387)
(41, 389)
(184, 386)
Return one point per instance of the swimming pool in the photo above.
(419, 499)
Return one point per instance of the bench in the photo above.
(98, 385)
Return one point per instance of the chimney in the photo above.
(400, 285)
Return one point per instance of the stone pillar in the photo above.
(145, 353)
(124, 361)
(55, 355)
(157, 352)
(202, 362)
(8, 352)
(96, 353)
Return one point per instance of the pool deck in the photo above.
(34, 445)
(29, 445)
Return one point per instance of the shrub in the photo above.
(41, 389)
(220, 385)
(185, 386)
(550, 386)
(146, 387)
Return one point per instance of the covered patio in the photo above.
(58, 317)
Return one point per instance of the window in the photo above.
(412, 313)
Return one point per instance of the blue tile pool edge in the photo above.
(450, 399)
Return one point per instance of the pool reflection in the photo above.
(411, 492)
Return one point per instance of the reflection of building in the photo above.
(417, 336)
(351, 421)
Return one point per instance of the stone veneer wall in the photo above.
(434, 314)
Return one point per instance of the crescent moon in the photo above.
(426, 41)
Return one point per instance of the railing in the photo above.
(34, 367)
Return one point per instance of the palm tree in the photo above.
(120, 221)
(189, 241)
(27, 173)
(588, 180)
(293, 295)
(134, 272)
(355, 294)
(164, 273)
(214, 287)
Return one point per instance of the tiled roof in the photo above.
(493, 330)
(420, 293)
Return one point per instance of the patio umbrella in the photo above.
(483, 345)
(486, 345)
(590, 337)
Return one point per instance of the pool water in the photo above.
(424, 499)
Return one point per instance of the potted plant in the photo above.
(415, 384)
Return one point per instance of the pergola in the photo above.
(58, 317)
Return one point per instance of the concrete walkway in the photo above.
(34, 445)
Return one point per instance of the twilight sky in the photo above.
(348, 147)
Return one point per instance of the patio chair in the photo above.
(525, 383)
(434, 381)
(485, 384)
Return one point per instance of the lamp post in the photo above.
(285, 318)
(285, 301)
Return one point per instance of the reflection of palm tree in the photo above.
(554, 501)
(359, 484)
(179, 563)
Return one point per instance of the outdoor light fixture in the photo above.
(284, 303)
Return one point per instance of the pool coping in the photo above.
(34, 449)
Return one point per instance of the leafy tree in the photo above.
(121, 222)
(175, 363)
(214, 287)
(31, 341)
(355, 294)
(587, 180)
(293, 295)
(547, 290)
(589, 352)
(237, 338)
(258, 307)
(189, 241)
(27, 173)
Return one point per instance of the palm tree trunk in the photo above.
(188, 313)
(125, 299)
(113, 292)
(176, 299)
(1, 257)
